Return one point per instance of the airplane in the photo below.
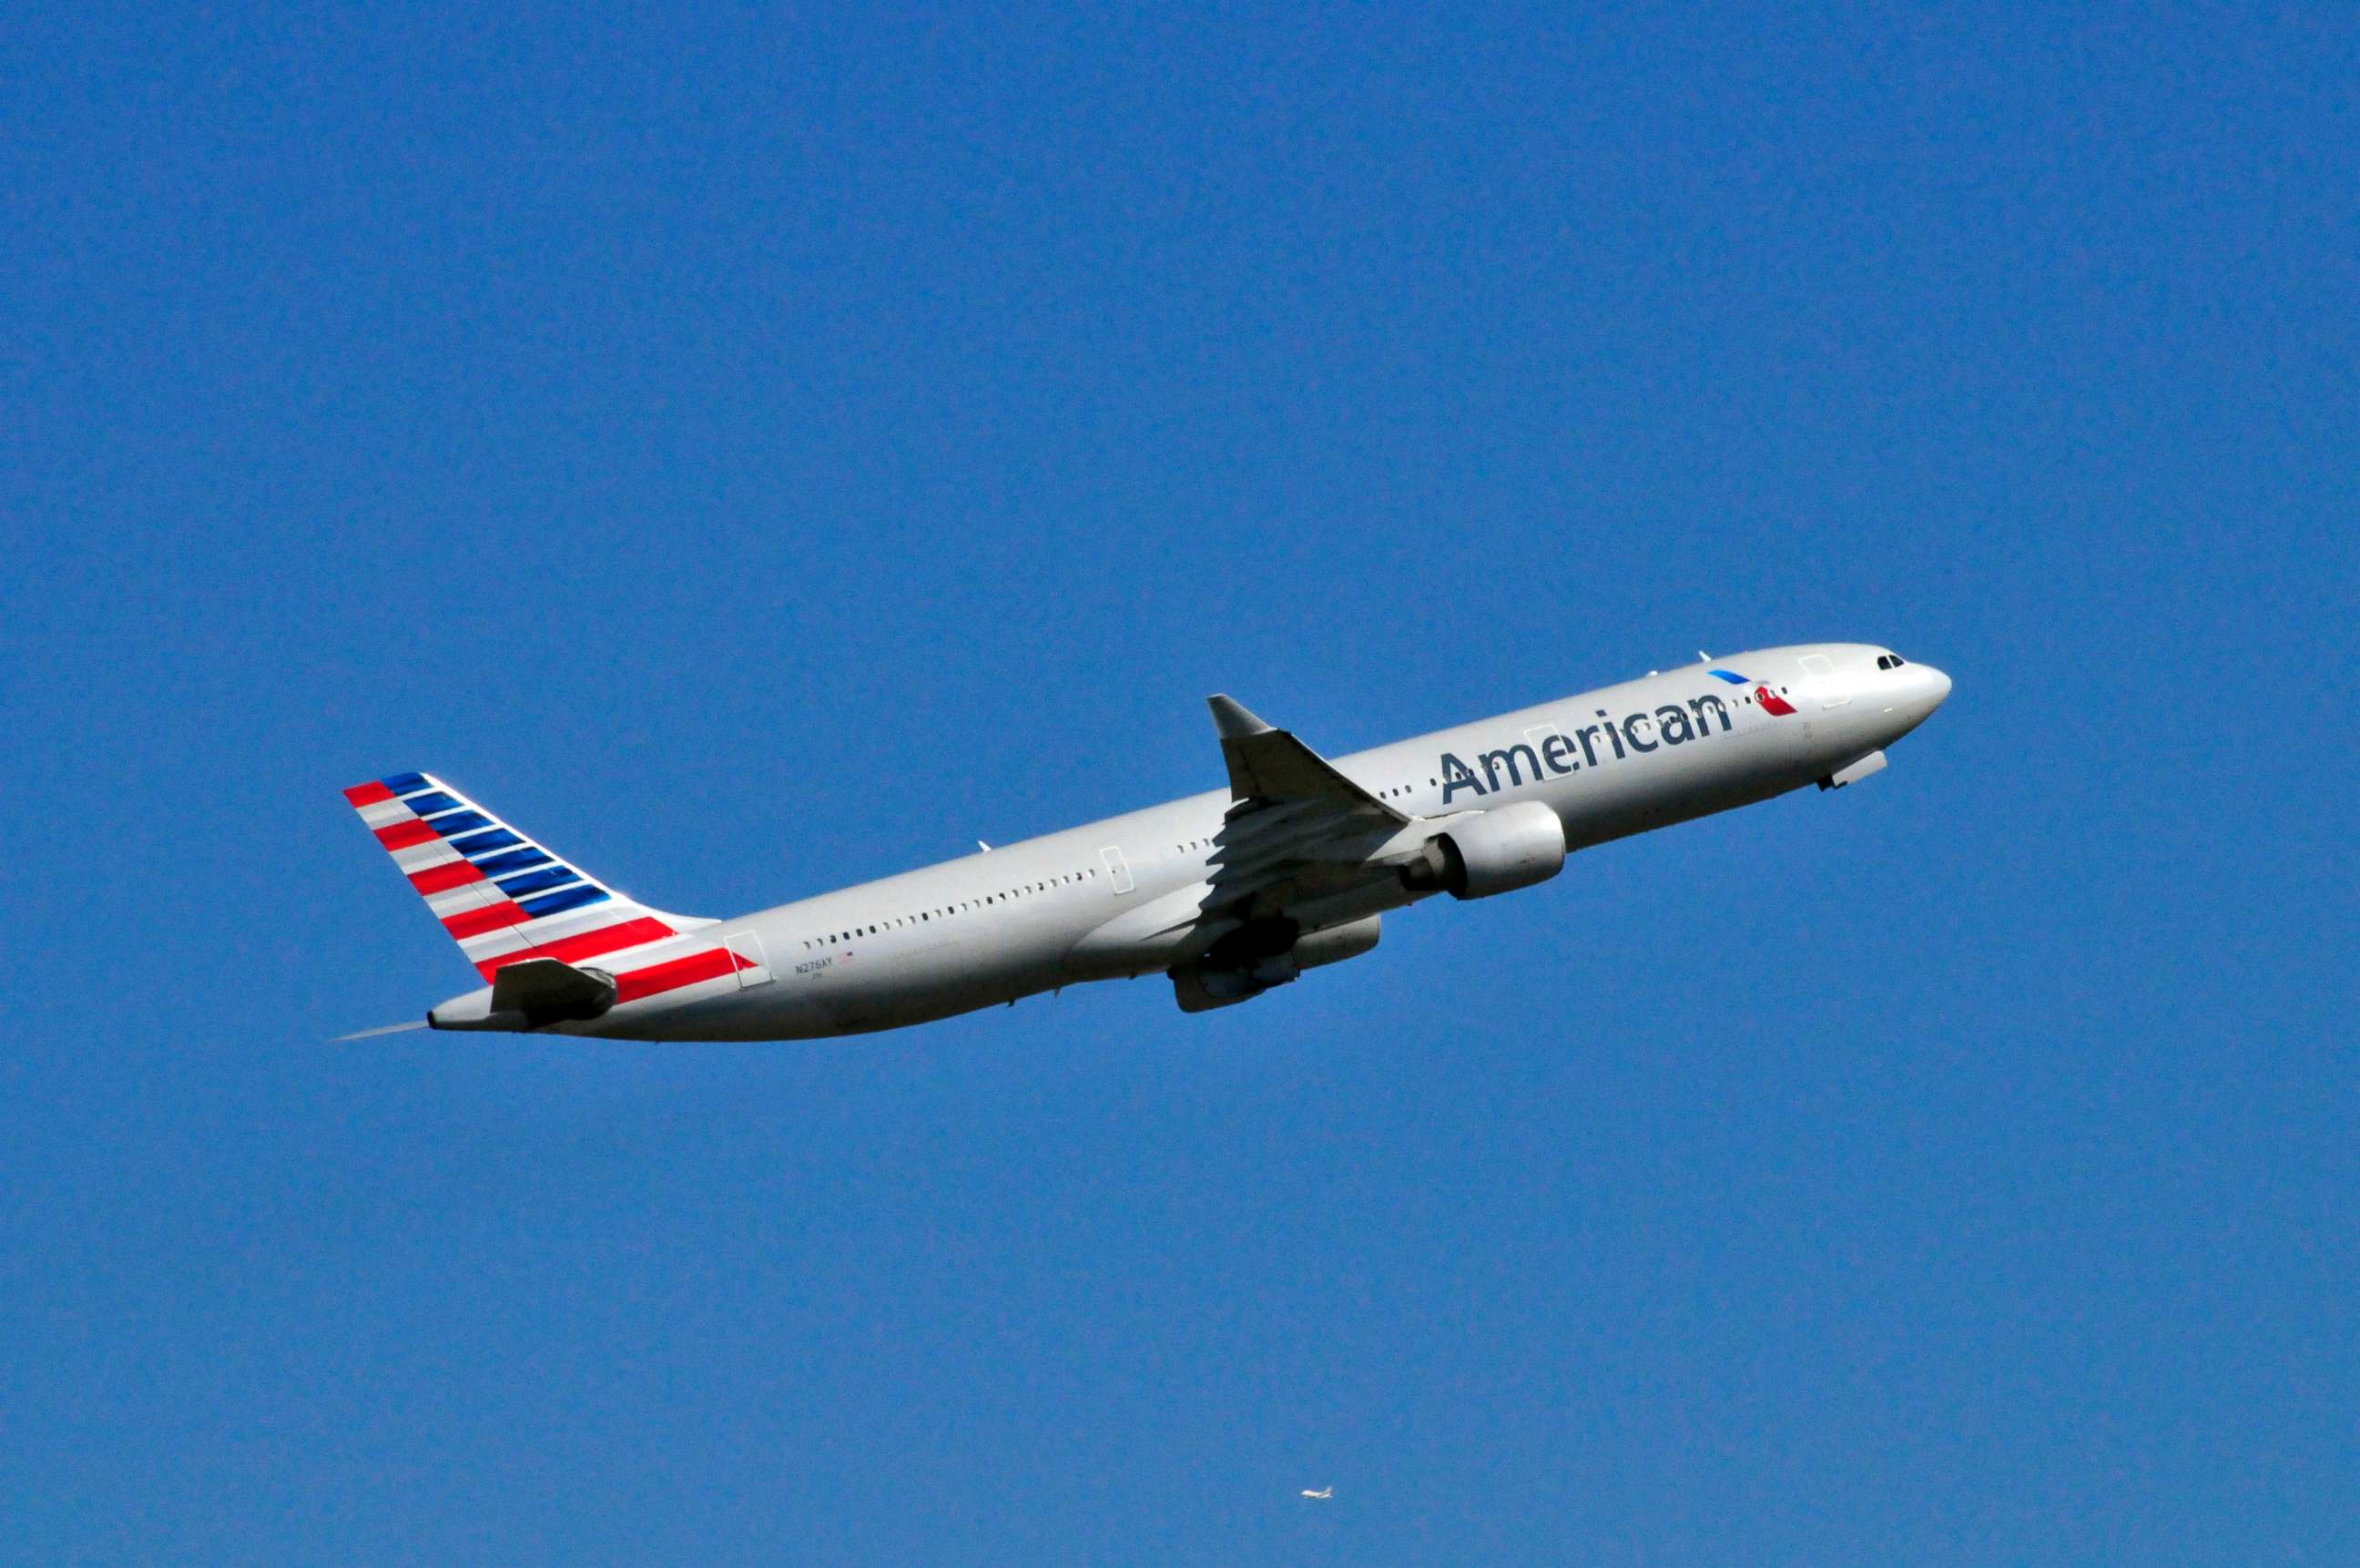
(1320, 1496)
(1230, 893)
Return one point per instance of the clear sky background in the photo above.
(758, 451)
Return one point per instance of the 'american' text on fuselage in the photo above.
(1674, 726)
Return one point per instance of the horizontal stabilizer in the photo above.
(547, 990)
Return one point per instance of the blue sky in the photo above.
(758, 451)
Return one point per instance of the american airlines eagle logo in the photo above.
(1772, 703)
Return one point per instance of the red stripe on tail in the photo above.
(445, 877)
(475, 922)
(585, 944)
(368, 793)
(402, 835)
(657, 978)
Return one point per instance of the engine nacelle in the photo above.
(1336, 943)
(1250, 961)
(1500, 851)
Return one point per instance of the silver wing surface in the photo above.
(1297, 830)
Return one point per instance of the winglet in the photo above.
(1270, 765)
(1232, 719)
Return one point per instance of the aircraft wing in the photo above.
(1269, 767)
(1295, 829)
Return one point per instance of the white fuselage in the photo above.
(1113, 899)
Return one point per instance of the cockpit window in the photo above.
(1890, 661)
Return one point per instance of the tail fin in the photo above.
(501, 895)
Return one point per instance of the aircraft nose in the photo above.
(1936, 686)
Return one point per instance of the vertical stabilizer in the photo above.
(503, 896)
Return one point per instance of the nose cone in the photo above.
(1924, 694)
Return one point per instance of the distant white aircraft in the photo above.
(1322, 1493)
(1229, 893)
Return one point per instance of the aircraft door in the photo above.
(1821, 672)
(753, 964)
(1117, 867)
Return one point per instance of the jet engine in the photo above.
(1264, 953)
(1499, 850)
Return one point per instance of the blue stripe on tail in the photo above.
(558, 903)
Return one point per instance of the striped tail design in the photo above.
(501, 895)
